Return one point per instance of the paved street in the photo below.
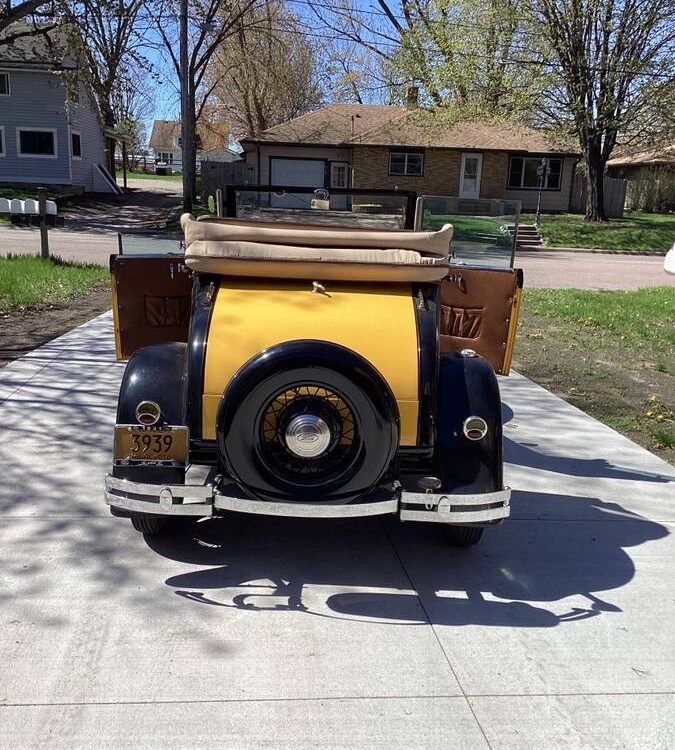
(247, 632)
(542, 268)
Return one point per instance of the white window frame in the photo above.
(79, 135)
(9, 86)
(405, 172)
(26, 129)
(334, 166)
(3, 150)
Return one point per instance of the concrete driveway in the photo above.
(248, 632)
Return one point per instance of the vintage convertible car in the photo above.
(309, 370)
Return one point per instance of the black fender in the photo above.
(467, 386)
(154, 373)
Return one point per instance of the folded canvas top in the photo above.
(207, 228)
(271, 250)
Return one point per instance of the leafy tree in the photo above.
(614, 58)
(470, 56)
(266, 71)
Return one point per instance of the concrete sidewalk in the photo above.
(247, 632)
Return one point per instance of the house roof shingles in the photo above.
(381, 125)
(28, 45)
(662, 156)
(164, 134)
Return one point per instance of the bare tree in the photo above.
(206, 24)
(266, 71)
(109, 37)
(606, 52)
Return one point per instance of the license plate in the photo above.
(150, 446)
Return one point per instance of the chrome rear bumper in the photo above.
(203, 500)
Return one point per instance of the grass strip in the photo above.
(26, 280)
(635, 232)
(151, 176)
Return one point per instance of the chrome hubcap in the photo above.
(307, 436)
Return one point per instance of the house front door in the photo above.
(470, 170)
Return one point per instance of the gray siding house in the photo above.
(47, 136)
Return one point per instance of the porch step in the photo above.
(527, 235)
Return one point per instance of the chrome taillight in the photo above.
(148, 413)
(474, 428)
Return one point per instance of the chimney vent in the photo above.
(411, 96)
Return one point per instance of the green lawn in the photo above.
(26, 280)
(611, 353)
(636, 232)
(643, 320)
(11, 192)
(483, 229)
(151, 176)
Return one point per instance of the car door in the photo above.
(151, 297)
(479, 310)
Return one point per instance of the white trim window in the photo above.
(339, 174)
(36, 143)
(76, 145)
(524, 175)
(4, 84)
(3, 148)
(406, 163)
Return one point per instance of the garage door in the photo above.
(300, 172)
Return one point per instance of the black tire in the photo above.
(464, 536)
(263, 467)
(150, 525)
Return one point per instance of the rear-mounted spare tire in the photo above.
(325, 430)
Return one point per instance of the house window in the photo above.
(165, 156)
(339, 174)
(2, 140)
(523, 173)
(36, 142)
(408, 163)
(4, 84)
(76, 144)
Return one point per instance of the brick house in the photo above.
(377, 146)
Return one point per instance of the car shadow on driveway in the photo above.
(539, 570)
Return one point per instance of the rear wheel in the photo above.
(308, 434)
(464, 536)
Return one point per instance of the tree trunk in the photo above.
(189, 153)
(595, 194)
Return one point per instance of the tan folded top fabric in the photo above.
(236, 249)
(208, 229)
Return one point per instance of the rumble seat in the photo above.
(241, 248)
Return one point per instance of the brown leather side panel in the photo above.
(152, 298)
(476, 310)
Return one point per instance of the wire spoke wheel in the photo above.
(329, 425)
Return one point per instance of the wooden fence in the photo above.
(220, 174)
(615, 196)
